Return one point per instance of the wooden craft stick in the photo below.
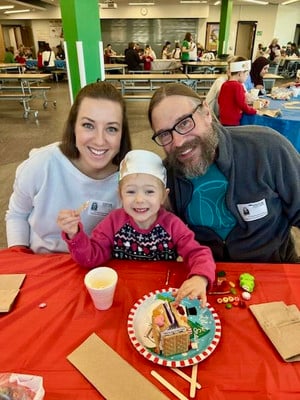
(83, 207)
(185, 376)
(193, 381)
(167, 277)
(168, 385)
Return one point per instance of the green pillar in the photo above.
(225, 19)
(83, 43)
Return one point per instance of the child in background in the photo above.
(232, 97)
(143, 229)
(147, 58)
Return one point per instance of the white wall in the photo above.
(42, 30)
(287, 18)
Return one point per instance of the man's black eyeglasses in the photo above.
(184, 126)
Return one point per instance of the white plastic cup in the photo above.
(101, 284)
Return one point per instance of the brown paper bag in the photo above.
(281, 323)
(110, 374)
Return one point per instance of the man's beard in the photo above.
(208, 147)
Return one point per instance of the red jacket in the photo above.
(232, 103)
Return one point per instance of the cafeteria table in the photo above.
(25, 85)
(204, 66)
(287, 123)
(37, 340)
(4, 67)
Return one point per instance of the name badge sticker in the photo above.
(253, 211)
(99, 208)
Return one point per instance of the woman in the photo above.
(108, 53)
(48, 58)
(82, 168)
(176, 53)
(166, 52)
(186, 47)
(274, 51)
(258, 70)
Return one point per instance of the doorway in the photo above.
(245, 38)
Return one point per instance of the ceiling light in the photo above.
(257, 2)
(141, 4)
(191, 1)
(217, 3)
(289, 2)
(33, 4)
(16, 11)
(6, 7)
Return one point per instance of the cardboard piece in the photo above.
(9, 289)
(110, 374)
(271, 113)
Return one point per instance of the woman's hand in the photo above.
(68, 221)
(193, 288)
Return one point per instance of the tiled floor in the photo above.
(18, 136)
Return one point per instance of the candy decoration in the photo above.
(246, 295)
(247, 282)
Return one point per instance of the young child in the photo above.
(232, 97)
(143, 229)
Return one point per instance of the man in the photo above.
(132, 58)
(216, 173)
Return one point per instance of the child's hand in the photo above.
(68, 221)
(192, 288)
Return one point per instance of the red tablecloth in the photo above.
(34, 340)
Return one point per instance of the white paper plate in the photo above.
(205, 323)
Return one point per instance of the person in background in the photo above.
(9, 57)
(147, 58)
(142, 229)
(213, 93)
(295, 83)
(200, 50)
(28, 53)
(108, 53)
(132, 58)
(21, 59)
(259, 69)
(288, 49)
(215, 172)
(186, 47)
(60, 53)
(48, 58)
(274, 52)
(19, 50)
(193, 55)
(166, 52)
(150, 51)
(40, 57)
(82, 168)
(294, 50)
(232, 98)
(176, 53)
(261, 51)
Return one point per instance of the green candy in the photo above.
(247, 282)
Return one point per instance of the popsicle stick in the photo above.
(193, 381)
(83, 207)
(185, 376)
(168, 385)
(167, 277)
